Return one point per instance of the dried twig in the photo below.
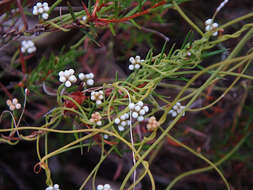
(21, 10)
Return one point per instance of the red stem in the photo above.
(103, 5)
(131, 17)
(95, 9)
(85, 9)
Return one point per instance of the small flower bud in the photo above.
(137, 108)
(68, 84)
(135, 63)
(117, 121)
(131, 106)
(98, 102)
(208, 21)
(62, 79)
(121, 128)
(131, 67)
(135, 115)
(45, 16)
(100, 187)
(153, 124)
(146, 108)
(18, 106)
(72, 79)
(142, 112)
(140, 118)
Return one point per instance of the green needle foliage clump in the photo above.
(184, 65)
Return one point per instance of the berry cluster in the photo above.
(96, 118)
(139, 110)
(55, 187)
(13, 104)
(135, 62)
(67, 77)
(27, 46)
(41, 9)
(88, 79)
(177, 109)
(104, 187)
(97, 96)
(122, 121)
(210, 26)
(153, 124)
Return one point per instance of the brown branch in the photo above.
(21, 10)
(6, 90)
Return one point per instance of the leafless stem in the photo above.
(131, 134)
(156, 33)
(47, 91)
(21, 10)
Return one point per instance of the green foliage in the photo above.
(52, 66)
(183, 65)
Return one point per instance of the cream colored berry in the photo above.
(153, 124)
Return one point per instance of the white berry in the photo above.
(97, 96)
(211, 26)
(67, 77)
(121, 128)
(135, 63)
(55, 187)
(131, 106)
(135, 115)
(27, 46)
(68, 83)
(13, 104)
(140, 118)
(41, 9)
(117, 121)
